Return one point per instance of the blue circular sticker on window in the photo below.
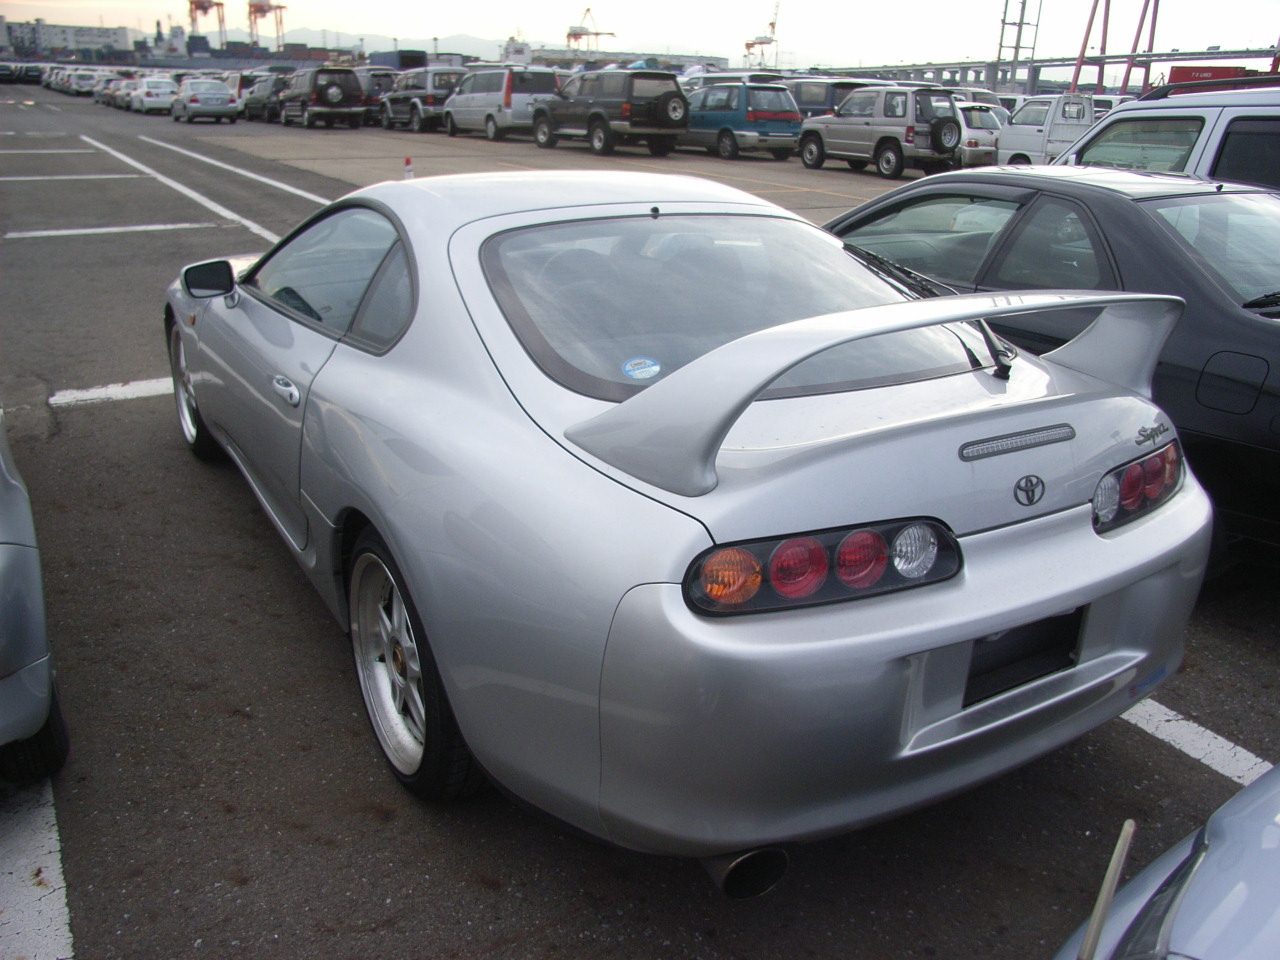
(642, 368)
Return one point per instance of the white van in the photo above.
(1232, 135)
(1043, 127)
(498, 99)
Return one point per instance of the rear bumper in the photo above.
(724, 735)
(25, 698)
(755, 140)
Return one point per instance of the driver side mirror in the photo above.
(206, 280)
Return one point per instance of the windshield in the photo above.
(608, 306)
(1237, 235)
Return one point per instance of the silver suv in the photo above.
(892, 127)
(1231, 135)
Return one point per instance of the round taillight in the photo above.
(861, 559)
(730, 577)
(1106, 500)
(1132, 485)
(915, 549)
(798, 567)
(1172, 465)
(1153, 476)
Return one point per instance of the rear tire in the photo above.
(726, 145)
(857, 164)
(399, 680)
(491, 129)
(781, 153)
(450, 128)
(415, 120)
(889, 163)
(601, 138)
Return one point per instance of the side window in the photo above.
(1250, 153)
(895, 105)
(491, 82)
(1055, 246)
(468, 83)
(1161, 145)
(946, 237)
(696, 98)
(717, 98)
(1033, 113)
(613, 85)
(573, 88)
(387, 309)
(322, 273)
(590, 86)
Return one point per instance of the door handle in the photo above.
(285, 388)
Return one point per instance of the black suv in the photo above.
(615, 108)
(328, 94)
(262, 102)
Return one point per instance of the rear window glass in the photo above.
(206, 86)
(771, 101)
(533, 82)
(931, 105)
(1236, 235)
(976, 118)
(644, 86)
(445, 81)
(1161, 145)
(608, 306)
(347, 81)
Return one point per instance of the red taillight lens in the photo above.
(824, 567)
(751, 117)
(506, 90)
(194, 99)
(1137, 488)
(861, 559)
(910, 135)
(626, 111)
(798, 567)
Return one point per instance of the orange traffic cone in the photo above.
(408, 169)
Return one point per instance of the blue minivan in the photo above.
(728, 118)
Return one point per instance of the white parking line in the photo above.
(69, 150)
(287, 188)
(186, 191)
(75, 176)
(1195, 741)
(113, 391)
(90, 231)
(34, 920)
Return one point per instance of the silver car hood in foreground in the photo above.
(670, 434)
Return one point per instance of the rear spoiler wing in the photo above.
(670, 434)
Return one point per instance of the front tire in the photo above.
(194, 431)
(399, 681)
(543, 135)
(661, 146)
(781, 153)
(812, 153)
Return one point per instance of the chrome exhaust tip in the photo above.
(748, 873)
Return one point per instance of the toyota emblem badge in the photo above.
(1028, 490)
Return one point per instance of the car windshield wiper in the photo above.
(1266, 300)
(916, 282)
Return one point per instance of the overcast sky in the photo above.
(808, 33)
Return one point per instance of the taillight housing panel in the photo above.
(1138, 487)
(828, 566)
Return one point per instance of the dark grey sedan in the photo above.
(1215, 245)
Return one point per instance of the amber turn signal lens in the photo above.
(731, 576)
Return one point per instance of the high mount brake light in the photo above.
(824, 567)
(1136, 488)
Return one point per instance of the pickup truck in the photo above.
(1042, 127)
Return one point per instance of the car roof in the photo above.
(1261, 97)
(1134, 184)
(465, 198)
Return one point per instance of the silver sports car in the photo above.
(644, 498)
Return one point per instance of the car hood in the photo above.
(956, 448)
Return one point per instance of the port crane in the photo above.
(200, 8)
(259, 9)
(585, 31)
(764, 41)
